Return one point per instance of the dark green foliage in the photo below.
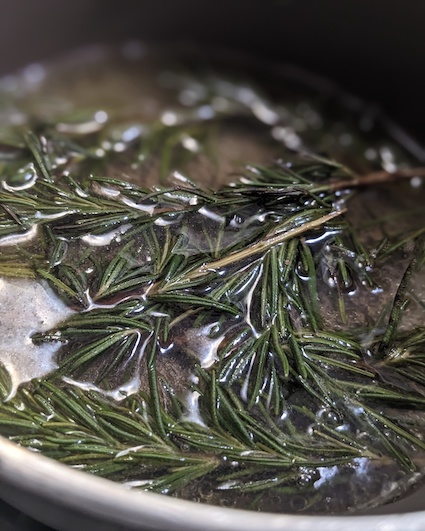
(236, 266)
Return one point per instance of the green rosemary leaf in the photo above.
(205, 302)
(34, 144)
(298, 355)
(60, 286)
(233, 417)
(261, 351)
(277, 346)
(312, 302)
(93, 319)
(76, 408)
(396, 311)
(98, 347)
(153, 382)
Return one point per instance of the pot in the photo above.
(372, 49)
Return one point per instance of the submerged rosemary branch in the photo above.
(201, 312)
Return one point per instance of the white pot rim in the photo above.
(96, 497)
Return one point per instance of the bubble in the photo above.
(169, 118)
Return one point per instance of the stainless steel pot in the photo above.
(374, 48)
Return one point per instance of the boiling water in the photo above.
(106, 122)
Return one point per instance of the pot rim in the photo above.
(102, 498)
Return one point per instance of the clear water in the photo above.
(154, 122)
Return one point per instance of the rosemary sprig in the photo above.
(161, 277)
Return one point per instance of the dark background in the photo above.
(375, 48)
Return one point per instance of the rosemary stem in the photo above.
(378, 177)
(261, 246)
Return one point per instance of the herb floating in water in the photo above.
(233, 346)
